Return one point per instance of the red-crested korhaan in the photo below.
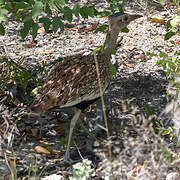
(73, 81)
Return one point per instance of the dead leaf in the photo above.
(41, 140)
(169, 49)
(127, 66)
(129, 47)
(59, 128)
(44, 52)
(31, 44)
(41, 30)
(16, 103)
(35, 41)
(124, 67)
(130, 65)
(78, 29)
(178, 42)
(140, 58)
(42, 150)
(92, 27)
(20, 47)
(18, 57)
(50, 31)
(158, 20)
(74, 29)
(83, 29)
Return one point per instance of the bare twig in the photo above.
(102, 101)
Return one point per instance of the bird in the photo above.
(73, 81)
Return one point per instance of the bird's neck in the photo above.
(111, 43)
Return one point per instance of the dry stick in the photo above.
(11, 168)
(102, 101)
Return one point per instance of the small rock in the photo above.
(53, 177)
(173, 176)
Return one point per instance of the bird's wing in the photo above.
(70, 82)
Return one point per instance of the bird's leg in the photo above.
(73, 123)
(99, 123)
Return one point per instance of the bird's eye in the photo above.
(125, 18)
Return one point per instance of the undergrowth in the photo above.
(14, 73)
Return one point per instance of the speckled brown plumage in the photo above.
(71, 81)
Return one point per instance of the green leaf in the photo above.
(3, 15)
(162, 63)
(151, 54)
(149, 110)
(101, 28)
(31, 2)
(27, 18)
(90, 11)
(2, 30)
(83, 12)
(168, 131)
(120, 7)
(114, 52)
(68, 13)
(46, 1)
(102, 13)
(76, 10)
(167, 154)
(112, 69)
(61, 2)
(35, 91)
(58, 5)
(168, 25)
(125, 30)
(175, 21)
(38, 7)
(162, 1)
(35, 28)
(48, 9)
(46, 23)
(1, 2)
(27, 26)
(172, 42)
(163, 55)
(169, 35)
(21, 5)
(57, 23)
(24, 32)
(98, 50)
(169, 72)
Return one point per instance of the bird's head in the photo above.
(120, 20)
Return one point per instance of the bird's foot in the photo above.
(68, 160)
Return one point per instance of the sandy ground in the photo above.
(138, 85)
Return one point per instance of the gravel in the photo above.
(138, 85)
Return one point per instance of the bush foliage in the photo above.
(30, 13)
